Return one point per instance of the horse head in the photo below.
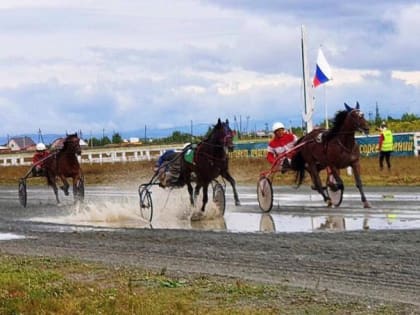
(222, 135)
(228, 142)
(72, 144)
(357, 118)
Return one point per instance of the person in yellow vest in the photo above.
(386, 143)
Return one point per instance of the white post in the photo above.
(307, 117)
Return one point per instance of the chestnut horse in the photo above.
(334, 149)
(64, 164)
(210, 161)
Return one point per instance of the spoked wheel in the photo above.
(265, 194)
(219, 197)
(335, 193)
(23, 197)
(80, 186)
(146, 204)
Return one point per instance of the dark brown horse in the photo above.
(64, 164)
(210, 161)
(333, 149)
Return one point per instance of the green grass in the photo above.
(62, 286)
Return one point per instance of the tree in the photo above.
(116, 138)
(409, 117)
(105, 140)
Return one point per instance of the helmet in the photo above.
(277, 125)
(40, 147)
(383, 124)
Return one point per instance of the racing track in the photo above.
(368, 264)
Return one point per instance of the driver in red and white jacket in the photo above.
(281, 142)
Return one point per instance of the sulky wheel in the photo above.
(335, 193)
(146, 203)
(265, 194)
(23, 197)
(219, 197)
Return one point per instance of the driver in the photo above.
(38, 159)
(169, 165)
(281, 142)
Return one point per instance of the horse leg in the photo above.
(75, 187)
(65, 186)
(205, 197)
(51, 182)
(196, 191)
(190, 192)
(316, 180)
(356, 171)
(230, 179)
(338, 185)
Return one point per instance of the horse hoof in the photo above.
(197, 216)
(237, 203)
(366, 205)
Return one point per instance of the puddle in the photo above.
(10, 236)
(293, 211)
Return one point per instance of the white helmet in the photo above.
(277, 125)
(186, 145)
(40, 147)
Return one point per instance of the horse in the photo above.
(64, 164)
(332, 149)
(210, 161)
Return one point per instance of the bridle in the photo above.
(222, 141)
(72, 144)
(356, 122)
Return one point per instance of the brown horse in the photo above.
(210, 161)
(333, 149)
(64, 164)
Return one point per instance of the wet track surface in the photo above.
(365, 253)
(294, 210)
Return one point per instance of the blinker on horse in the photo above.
(210, 161)
(333, 149)
(64, 164)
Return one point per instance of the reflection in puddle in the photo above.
(10, 236)
(254, 222)
(236, 222)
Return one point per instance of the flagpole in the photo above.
(306, 97)
(326, 108)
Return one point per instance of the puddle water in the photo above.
(298, 213)
(10, 236)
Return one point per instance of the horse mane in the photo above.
(337, 122)
(212, 131)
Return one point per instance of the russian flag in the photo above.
(323, 70)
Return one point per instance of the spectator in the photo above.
(386, 143)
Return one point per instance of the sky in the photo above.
(105, 66)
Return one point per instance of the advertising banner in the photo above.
(403, 146)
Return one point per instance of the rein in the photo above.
(211, 157)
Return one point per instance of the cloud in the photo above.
(121, 65)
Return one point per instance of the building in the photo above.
(21, 143)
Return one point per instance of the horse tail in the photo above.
(298, 164)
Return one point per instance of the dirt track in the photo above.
(382, 265)
(367, 264)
